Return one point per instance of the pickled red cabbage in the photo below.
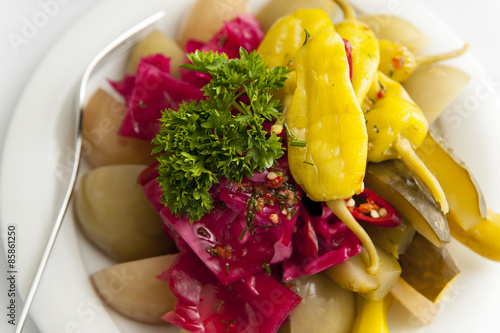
(250, 228)
(152, 91)
(243, 31)
(256, 303)
(320, 243)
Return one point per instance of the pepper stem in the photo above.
(349, 12)
(415, 164)
(428, 59)
(339, 208)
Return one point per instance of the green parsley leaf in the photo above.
(222, 134)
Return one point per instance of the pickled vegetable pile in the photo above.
(280, 168)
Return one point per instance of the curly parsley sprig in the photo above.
(222, 134)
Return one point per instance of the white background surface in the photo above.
(475, 22)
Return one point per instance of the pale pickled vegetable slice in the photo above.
(133, 290)
(206, 17)
(397, 30)
(420, 307)
(429, 269)
(102, 145)
(352, 275)
(388, 275)
(394, 182)
(435, 87)
(157, 42)
(114, 214)
(325, 307)
(276, 9)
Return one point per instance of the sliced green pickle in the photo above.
(394, 182)
(429, 269)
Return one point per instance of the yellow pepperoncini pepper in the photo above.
(287, 35)
(371, 316)
(397, 62)
(324, 114)
(390, 113)
(365, 50)
(395, 126)
(281, 42)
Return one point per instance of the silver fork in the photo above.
(116, 47)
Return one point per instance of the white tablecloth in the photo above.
(476, 22)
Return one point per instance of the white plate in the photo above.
(37, 152)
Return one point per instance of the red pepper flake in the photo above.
(276, 182)
(276, 191)
(382, 90)
(398, 62)
(225, 252)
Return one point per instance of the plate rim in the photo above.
(102, 6)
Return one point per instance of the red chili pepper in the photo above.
(367, 201)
